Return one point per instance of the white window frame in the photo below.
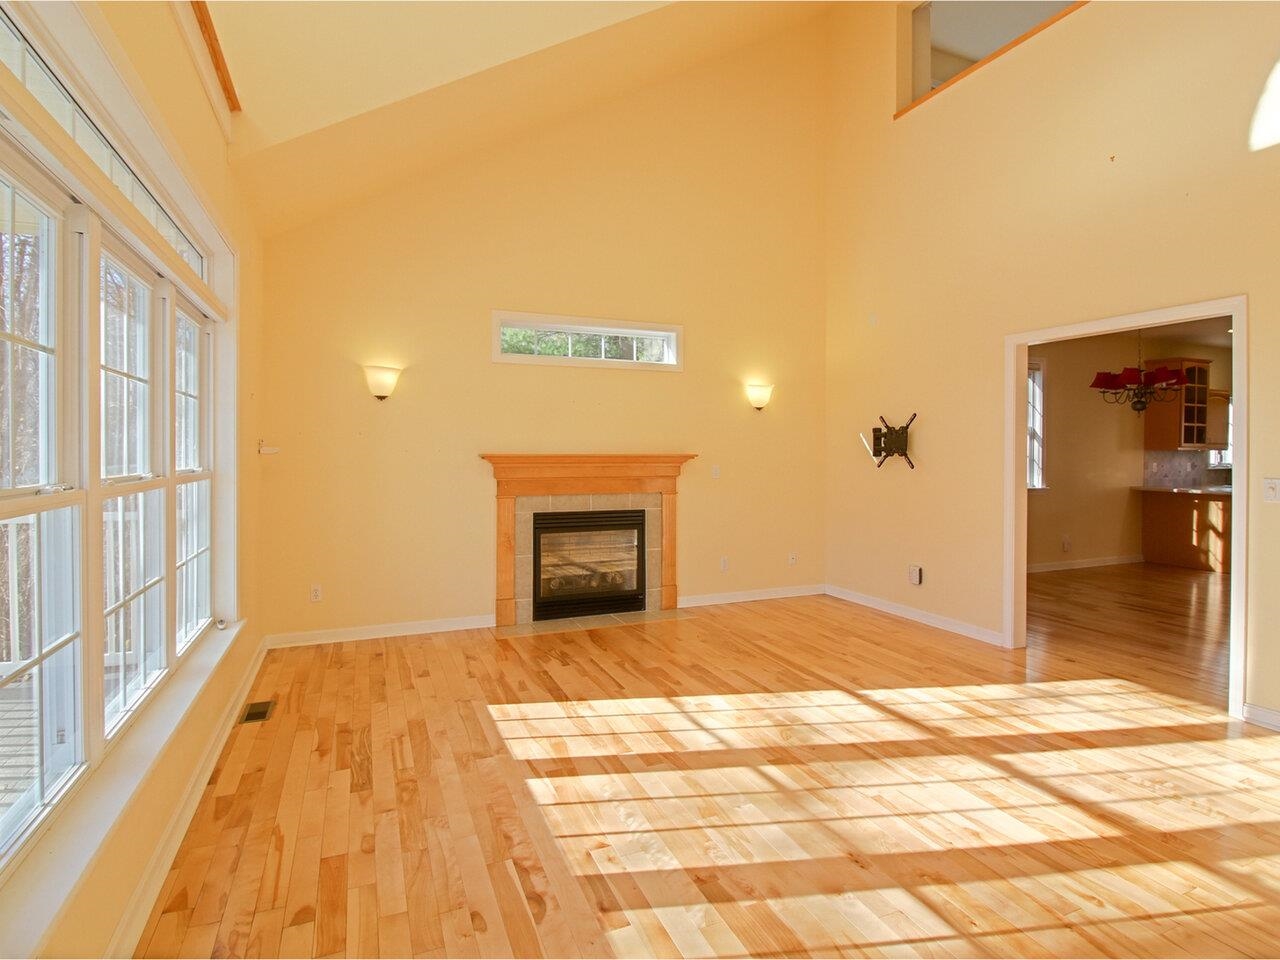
(1035, 426)
(64, 490)
(551, 323)
(159, 475)
(204, 447)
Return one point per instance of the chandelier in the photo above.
(1140, 388)
(1137, 387)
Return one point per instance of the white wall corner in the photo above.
(973, 632)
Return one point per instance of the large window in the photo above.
(105, 476)
(112, 516)
(1035, 425)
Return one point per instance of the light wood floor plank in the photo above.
(786, 778)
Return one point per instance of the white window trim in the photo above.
(1039, 366)
(563, 324)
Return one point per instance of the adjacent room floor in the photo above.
(1167, 627)
(783, 778)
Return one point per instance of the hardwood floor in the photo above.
(1164, 627)
(798, 777)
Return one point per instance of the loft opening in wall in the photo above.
(941, 42)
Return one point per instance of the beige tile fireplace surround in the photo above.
(528, 483)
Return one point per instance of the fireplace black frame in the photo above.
(555, 608)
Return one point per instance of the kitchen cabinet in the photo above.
(1218, 429)
(1184, 527)
(1181, 423)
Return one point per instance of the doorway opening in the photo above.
(1122, 535)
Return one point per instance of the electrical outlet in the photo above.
(1066, 543)
(316, 595)
(915, 574)
(792, 560)
(724, 564)
(1270, 490)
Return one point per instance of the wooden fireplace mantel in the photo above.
(558, 474)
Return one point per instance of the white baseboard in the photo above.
(133, 920)
(1262, 716)
(920, 616)
(1081, 564)
(742, 596)
(377, 631)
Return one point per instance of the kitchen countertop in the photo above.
(1222, 491)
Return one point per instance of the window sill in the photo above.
(1040, 489)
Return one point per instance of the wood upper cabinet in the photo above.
(1182, 423)
(1216, 436)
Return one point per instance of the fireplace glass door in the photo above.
(587, 562)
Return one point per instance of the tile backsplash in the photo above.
(1181, 468)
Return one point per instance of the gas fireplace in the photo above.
(588, 562)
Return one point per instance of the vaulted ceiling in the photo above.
(342, 98)
(302, 66)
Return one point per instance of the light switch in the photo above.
(1271, 489)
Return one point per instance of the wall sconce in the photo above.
(382, 380)
(759, 394)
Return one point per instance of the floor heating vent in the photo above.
(257, 711)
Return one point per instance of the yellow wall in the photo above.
(695, 201)
(769, 203)
(1069, 180)
(1093, 458)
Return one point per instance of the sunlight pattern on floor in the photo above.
(926, 820)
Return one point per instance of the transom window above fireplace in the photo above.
(581, 341)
